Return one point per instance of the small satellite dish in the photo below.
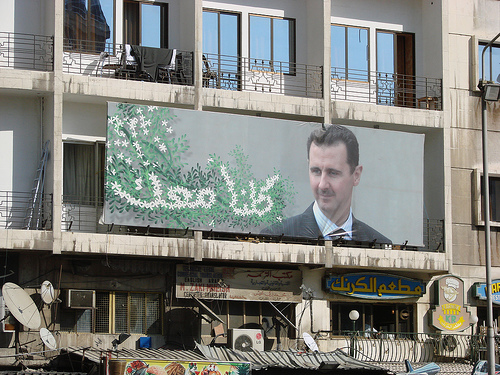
(47, 292)
(311, 344)
(21, 305)
(48, 338)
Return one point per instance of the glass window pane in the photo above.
(84, 321)
(153, 313)
(137, 313)
(229, 34)
(102, 312)
(260, 37)
(121, 309)
(491, 58)
(108, 11)
(357, 53)
(281, 40)
(151, 23)
(338, 51)
(210, 32)
(385, 52)
(495, 198)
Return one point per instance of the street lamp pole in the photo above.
(490, 343)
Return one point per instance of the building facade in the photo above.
(392, 67)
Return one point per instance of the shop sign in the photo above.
(163, 367)
(479, 291)
(450, 314)
(375, 286)
(234, 283)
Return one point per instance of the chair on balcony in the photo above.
(209, 75)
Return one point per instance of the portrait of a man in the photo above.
(334, 171)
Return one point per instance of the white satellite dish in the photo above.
(48, 338)
(311, 344)
(21, 305)
(47, 292)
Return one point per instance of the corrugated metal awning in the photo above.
(288, 359)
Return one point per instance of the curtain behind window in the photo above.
(79, 174)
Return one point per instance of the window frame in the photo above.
(71, 313)
(346, 51)
(292, 44)
(137, 25)
(477, 194)
(83, 44)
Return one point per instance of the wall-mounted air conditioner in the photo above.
(80, 299)
(246, 339)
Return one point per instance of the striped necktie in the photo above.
(339, 232)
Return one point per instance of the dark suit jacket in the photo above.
(304, 225)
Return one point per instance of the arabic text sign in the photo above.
(480, 291)
(375, 286)
(245, 284)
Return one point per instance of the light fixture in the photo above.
(491, 91)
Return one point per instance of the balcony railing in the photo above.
(416, 347)
(26, 51)
(389, 89)
(275, 77)
(19, 210)
(109, 60)
(83, 214)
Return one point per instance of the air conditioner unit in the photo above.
(246, 339)
(8, 321)
(80, 299)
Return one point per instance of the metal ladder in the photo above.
(34, 210)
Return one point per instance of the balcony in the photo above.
(26, 51)
(110, 60)
(266, 76)
(390, 89)
(19, 210)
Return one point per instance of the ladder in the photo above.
(34, 210)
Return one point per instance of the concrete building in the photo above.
(407, 67)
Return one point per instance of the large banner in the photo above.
(177, 168)
(241, 284)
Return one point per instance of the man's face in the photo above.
(332, 181)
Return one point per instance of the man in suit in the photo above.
(334, 170)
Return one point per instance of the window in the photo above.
(395, 68)
(494, 198)
(393, 318)
(145, 24)
(272, 40)
(491, 59)
(83, 173)
(88, 24)
(133, 313)
(349, 52)
(221, 49)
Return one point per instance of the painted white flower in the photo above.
(169, 129)
(156, 139)
(139, 110)
(151, 108)
(128, 161)
(121, 156)
(125, 143)
(134, 134)
(164, 123)
(146, 131)
(163, 148)
(138, 183)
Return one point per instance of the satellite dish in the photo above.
(21, 305)
(311, 344)
(48, 339)
(47, 292)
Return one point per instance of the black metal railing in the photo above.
(109, 60)
(26, 51)
(416, 347)
(20, 210)
(258, 75)
(391, 89)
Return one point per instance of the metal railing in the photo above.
(26, 51)
(109, 60)
(391, 89)
(16, 211)
(258, 75)
(416, 347)
(84, 214)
